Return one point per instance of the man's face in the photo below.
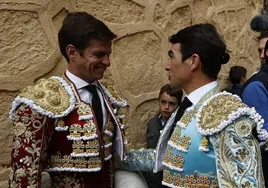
(167, 105)
(92, 63)
(179, 73)
(261, 47)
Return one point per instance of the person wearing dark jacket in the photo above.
(169, 100)
(238, 76)
(255, 94)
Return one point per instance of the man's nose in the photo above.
(167, 66)
(106, 60)
(262, 54)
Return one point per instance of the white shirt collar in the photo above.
(197, 94)
(161, 120)
(78, 82)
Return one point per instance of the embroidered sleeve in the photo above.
(139, 160)
(30, 132)
(238, 155)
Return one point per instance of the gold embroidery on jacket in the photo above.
(75, 130)
(66, 180)
(187, 118)
(176, 161)
(89, 128)
(175, 135)
(61, 123)
(67, 161)
(83, 109)
(92, 146)
(78, 146)
(49, 94)
(190, 181)
(185, 141)
(25, 137)
(211, 115)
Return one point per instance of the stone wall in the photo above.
(29, 49)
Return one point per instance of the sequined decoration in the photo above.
(184, 142)
(89, 129)
(175, 163)
(190, 181)
(85, 164)
(204, 147)
(78, 146)
(84, 111)
(49, 94)
(139, 160)
(175, 135)
(186, 118)
(75, 130)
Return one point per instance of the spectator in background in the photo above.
(238, 77)
(262, 41)
(255, 94)
(260, 24)
(168, 100)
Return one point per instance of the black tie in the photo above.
(96, 105)
(186, 103)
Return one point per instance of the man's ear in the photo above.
(195, 63)
(243, 80)
(71, 51)
(266, 52)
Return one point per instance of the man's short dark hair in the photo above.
(202, 39)
(263, 34)
(79, 28)
(171, 92)
(236, 74)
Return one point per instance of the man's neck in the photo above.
(72, 69)
(195, 84)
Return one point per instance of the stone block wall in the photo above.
(29, 49)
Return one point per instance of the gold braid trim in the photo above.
(53, 97)
(218, 112)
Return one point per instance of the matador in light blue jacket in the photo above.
(209, 142)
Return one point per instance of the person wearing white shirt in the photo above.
(68, 129)
(208, 141)
(83, 92)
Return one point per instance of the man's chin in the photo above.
(99, 76)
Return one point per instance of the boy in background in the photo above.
(169, 100)
(238, 77)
